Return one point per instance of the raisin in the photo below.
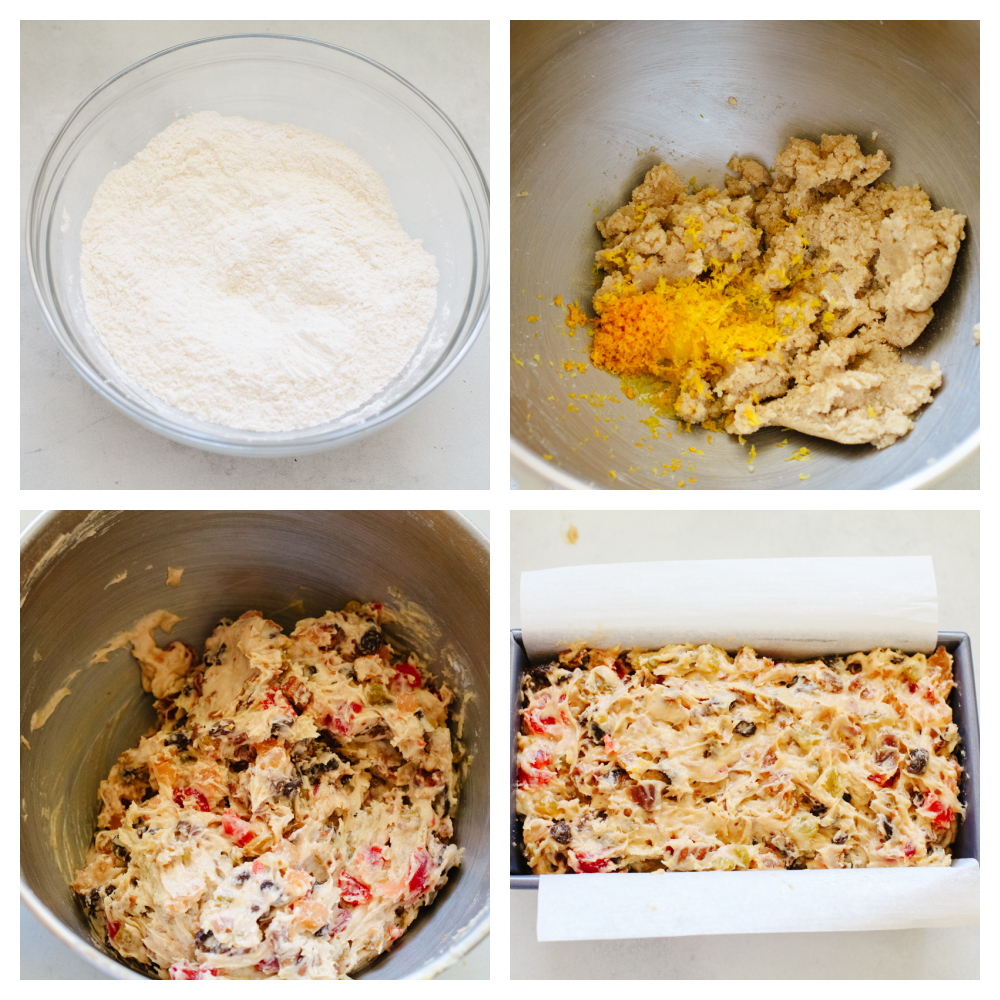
(617, 775)
(241, 876)
(745, 728)
(642, 796)
(120, 851)
(886, 827)
(561, 832)
(311, 671)
(206, 941)
(370, 643)
(846, 797)
(796, 864)
(896, 658)
(793, 681)
(854, 667)
(326, 737)
(599, 733)
(917, 798)
(109, 890)
(238, 765)
(267, 884)
(221, 729)
(840, 837)
(181, 740)
(93, 898)
(538, 676)
(918, 761)
(818, 809)
(290, 787)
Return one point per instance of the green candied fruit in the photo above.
(804, 827)
(742, 855)
(377, 695)
(833, 784)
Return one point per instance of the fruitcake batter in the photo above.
(291, 814)
(684, 759)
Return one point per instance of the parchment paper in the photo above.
(678, 904)
(791, 608)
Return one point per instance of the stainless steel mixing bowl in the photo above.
(595, 105)
(233, 561)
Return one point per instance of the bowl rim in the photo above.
(564, 480)
(475, 931)
(258, 443)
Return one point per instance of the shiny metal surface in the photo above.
(233, 561)
(589, 100)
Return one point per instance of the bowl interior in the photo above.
(432, 178)
(582, 138)
(234, 561)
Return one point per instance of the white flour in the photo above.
(254, 275)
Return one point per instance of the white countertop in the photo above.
(73, 438)
(45, 957)
(538, 541)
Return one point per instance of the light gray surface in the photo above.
(582, 138)
(538, 540)
(44, 957)
(72, 438)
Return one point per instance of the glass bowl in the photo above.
(436, 186)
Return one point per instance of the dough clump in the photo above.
(290, 814)
(785, 299)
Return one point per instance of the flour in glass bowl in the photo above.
(254, 275)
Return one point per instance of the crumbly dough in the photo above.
(290, 815)
(855, 266)
(684, 759)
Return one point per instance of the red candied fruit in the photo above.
(943, 815)
(200, 801)
(420, 878)
(589, 865)
(410, 674)
(353, 891)
(239, 829)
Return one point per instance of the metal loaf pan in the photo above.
(963, 705)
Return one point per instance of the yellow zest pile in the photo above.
(686, 332)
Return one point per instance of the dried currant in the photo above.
(745, 728)
(561, 832)
(371, 642)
